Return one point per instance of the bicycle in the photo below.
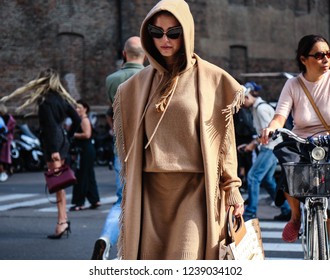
(310, 183)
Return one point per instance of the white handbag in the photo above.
(243, 239)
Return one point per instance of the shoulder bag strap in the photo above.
(313, 104)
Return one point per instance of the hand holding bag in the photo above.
(243, 239)
(59, 179)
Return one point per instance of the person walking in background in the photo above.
(313, 59)
(86, 186)
(244, 133)
(134, 57)
(264, 165)
(5, 155)
(175, 138)
(53, 104)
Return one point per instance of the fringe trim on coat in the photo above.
(228, 111)
(122, 153)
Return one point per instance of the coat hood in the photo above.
(180, 10)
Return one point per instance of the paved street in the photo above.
(271, 232)
(26, 217)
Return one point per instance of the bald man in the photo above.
(134, 57)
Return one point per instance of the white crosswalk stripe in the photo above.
(271, 233)
(105, 200)
(16, 196)
(41, 202)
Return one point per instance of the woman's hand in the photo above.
(56, 156)
(238, 209)
(56, 162)
(265, 134)
(277, 122)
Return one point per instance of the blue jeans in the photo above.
(119, 185)
(262, 170)
(111, 225)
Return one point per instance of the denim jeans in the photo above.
(262, 170)
(119, 185)
(111, 225)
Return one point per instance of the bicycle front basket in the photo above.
(306, 180)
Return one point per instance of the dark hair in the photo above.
(181, 60)
(305, 45)
(170, 78)
(85, 105)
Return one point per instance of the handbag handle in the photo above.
(234, 231)
(57, 171)
(313, 104)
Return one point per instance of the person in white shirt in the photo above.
(313, 59)
(264, 165)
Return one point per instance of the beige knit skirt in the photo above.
(173, 216)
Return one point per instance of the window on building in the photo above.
(302, 7)
(238, 60)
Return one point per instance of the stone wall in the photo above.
(83, 38)
(80, 38)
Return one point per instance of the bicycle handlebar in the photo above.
(320, 140)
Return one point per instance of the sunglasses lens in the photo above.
(319, 55)
(155, 33)
(174, 33)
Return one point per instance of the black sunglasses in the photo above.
(320, 55)
(157, 32)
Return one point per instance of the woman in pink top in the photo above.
(313, 56)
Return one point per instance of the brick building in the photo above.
(83, 39)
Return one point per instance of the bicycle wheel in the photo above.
(312, 249)
(322, 238)
(305, 233)
(316, 237)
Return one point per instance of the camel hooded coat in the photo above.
(193, 160)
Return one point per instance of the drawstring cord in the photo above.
(143, 115)
(161, 118)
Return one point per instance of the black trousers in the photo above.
(86, 186)
(289, 151)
